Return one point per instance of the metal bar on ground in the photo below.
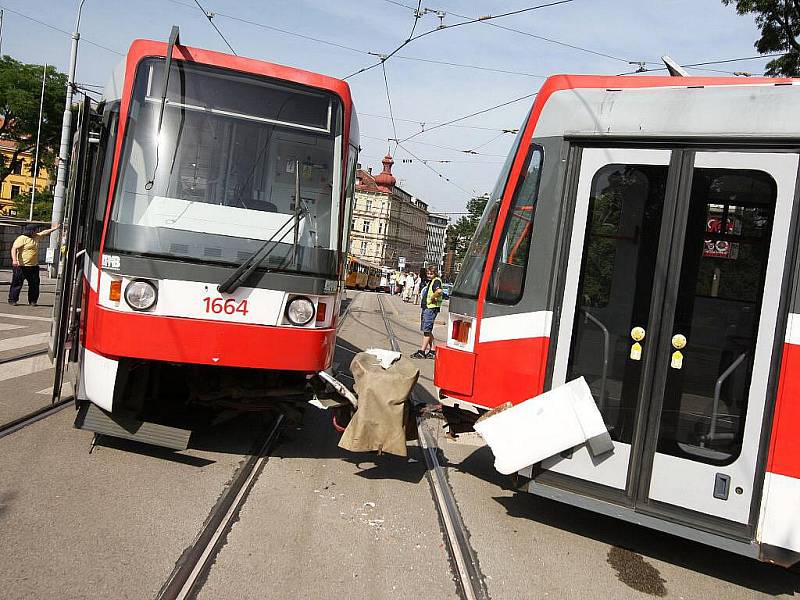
(33, 417)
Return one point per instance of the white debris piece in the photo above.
(540, 427)
(385, 357)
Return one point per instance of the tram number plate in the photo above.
(220, 306)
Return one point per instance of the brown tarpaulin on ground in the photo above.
(379, 422)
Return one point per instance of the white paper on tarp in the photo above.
(535, 429)
(385, 357)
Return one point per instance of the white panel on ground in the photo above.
(535, 429)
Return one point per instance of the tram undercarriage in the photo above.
(179, 398)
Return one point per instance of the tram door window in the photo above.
(615, 287)
(719, 299)
(670, 309)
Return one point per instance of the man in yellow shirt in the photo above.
(25, 263)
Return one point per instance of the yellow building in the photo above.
(21, 180)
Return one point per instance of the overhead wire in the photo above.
(423, 123)
(529, 34)
(698, 66)
(278, 29)
(389, 102)
(210, 17)
(483, 145)
(440, 175)
(59, 30)
(473, 114)
(410, 39)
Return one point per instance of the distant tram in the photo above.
(643, 234)
(209, 205)
(362, 275)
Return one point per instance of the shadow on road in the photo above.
(739, 570)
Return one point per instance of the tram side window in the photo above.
(508, 275)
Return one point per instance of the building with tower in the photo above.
(389, 225)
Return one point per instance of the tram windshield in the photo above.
(239, 160)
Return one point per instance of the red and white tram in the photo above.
(643, 234)
(210, 206)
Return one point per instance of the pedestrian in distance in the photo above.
(408, 287)
(431, 304)
(415, 291)
(25, 263)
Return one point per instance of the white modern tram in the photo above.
(643, 235)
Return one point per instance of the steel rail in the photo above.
(466, 570)
(33, 417)
(346, 312)
(193, 566)
(30, 354)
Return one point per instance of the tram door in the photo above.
(669, 312)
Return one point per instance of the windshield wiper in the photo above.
(251, 263)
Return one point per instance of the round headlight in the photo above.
(140, 294)
(300, 311)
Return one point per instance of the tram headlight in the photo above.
(140, 294)
(300, 311)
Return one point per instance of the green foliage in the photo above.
(460, 233)
(42, 205)
(20, 91)
(779, 21)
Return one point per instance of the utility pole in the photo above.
(38, 137)
(1, 32)
(63, 153)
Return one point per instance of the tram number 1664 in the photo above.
(229, 306)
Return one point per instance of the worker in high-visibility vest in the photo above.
(431, 304)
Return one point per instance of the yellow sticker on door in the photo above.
(636, 351)
(677, 360)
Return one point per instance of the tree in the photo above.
(779, 21)
(20, 91)
(42, 205)
(460, 233)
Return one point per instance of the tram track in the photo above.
(36, 415)
(23, 356)
(192, 568)
(463, 559)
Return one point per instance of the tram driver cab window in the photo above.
(508, 275)
(222, 173)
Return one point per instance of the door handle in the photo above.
(637, 335)
(679, 342)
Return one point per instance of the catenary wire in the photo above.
(479, 112)
(440, 175)
(389, 101)
(423, 123)
(210, 17)
(386, 57)
(64, 31)
(532, 35)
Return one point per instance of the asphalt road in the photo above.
(319, 522)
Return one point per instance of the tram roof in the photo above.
(140, 49)
(668, 107)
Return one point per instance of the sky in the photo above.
(422, 93)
